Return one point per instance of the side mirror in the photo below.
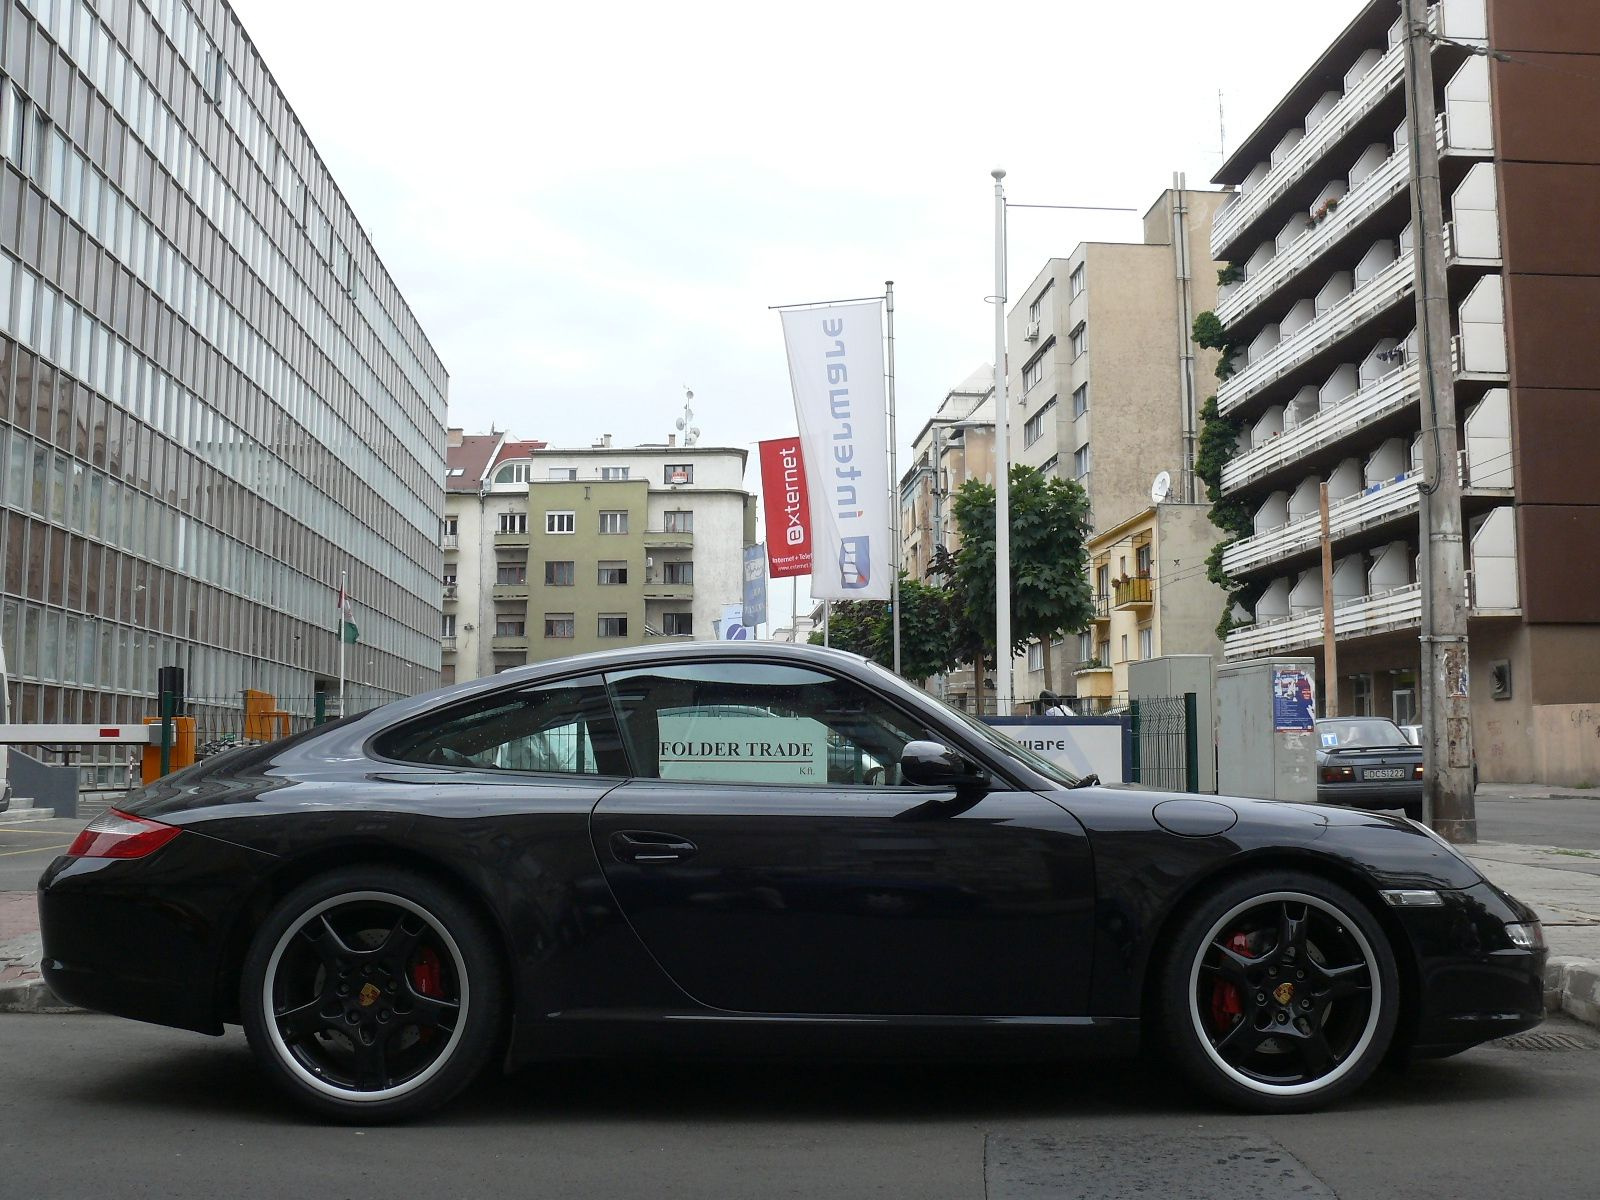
(933, 764)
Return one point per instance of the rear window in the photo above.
(1337, 735)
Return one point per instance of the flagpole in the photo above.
(894, 487)
(1002, 456)
(344, 610)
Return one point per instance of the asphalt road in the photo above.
(95, 1106)
(27, 848)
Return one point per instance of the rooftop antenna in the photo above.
(1222, 129)
(685, 423)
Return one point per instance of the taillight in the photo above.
(1338, 774)
(118, 835)
(1416, 771)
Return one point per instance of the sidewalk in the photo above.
(1563, 886)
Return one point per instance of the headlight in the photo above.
(1527, 934)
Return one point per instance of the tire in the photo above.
(372, 994)
(1236, 1013)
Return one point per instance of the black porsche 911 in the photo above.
(759, 850)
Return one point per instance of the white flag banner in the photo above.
(836, 370)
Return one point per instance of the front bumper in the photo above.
(147, 938)
(1473, 982)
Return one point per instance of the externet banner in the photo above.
(787, 506)
(836, 370)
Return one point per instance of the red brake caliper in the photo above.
(427, 976)
(1227, 1006)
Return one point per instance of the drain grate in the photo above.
(1545, 1041)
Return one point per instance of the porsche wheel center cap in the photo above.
(369, 994)
(1283, 993)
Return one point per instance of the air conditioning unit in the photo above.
(649, 562)
(468, 627)
(1031, 334)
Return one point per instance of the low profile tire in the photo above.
(1279, 993)
(372, 994)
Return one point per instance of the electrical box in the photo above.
(1266, 729)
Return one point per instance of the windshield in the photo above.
(990, 736)
(1336, 735)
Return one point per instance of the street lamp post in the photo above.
(1002, 460)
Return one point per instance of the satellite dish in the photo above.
(679, 422)
(1161, 488)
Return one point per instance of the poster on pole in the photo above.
(787, 506)
(755, 586)
(836, 370)
(1293, 700)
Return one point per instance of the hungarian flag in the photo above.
(347, 627)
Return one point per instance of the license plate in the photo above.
(1384, 773)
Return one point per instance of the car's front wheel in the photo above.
(1280, 993)
(372, 994)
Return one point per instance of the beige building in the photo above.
(1151, 598)
(550, 552)
(1105, 384)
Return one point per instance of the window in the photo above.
(1035, 656)
(613, 573)
(613, 625)
(511, 627)
(564, 473)
(1075, 281)
(677, 624)
(1141, 560)
(1032, 373)
(1049, 465)
(1124, 657)
(449, 578)
(760, 723)
(613, 472)
(1104, 654)
(511, 574)
(1033, 429)
(447, 626)
(1102, 579)
(559, 574)
(677, 572)
(1147, 637)
(564, 521)
(678, 521)
(677, 473)
(614, 521)
(1078, 340)
(1361, 695)
(1080, 400)
(563, 727)
(516, 472)
(559, 625)
(1085, 647)
(1038, 302)
(455, 472)
(514, 522)
(450, 531)
(1080, 461)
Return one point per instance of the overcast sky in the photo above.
(589, 206)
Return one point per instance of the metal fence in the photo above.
(1164, 745)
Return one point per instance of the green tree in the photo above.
(1050, 594)
(929, 631)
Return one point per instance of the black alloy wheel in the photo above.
(371, 994)
(1280, 993)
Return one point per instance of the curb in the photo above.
(1572, 986)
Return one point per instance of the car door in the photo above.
(771, 860)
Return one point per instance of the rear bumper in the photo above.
(1473, 982)
(147, 938)
(1400, 794)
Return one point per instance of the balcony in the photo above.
(1380, 292)
(1102, 608)
(510, 537)
(1131, 593)
(510, 591)
(1242, 213)
(509, 642)
(1378, 503)
(653, 636)
(447, 643)
(1371, 194)
(658, 590)
(449, 541)
(1364, 616)
(1395, 391)
(666, 539)
(1094, 681)
(449, 593)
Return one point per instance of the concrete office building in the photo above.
(213, 398)
(557, 551)
(1328, 384)
(1106, 385)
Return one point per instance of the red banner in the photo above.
(788, 509)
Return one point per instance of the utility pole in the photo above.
(1448, 801)
(1002, 464)
(1330, 644)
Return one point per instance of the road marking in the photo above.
(34, 850)
(35, 832)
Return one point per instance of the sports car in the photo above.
(715, 849)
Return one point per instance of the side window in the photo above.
(562, 727)
(751, 722)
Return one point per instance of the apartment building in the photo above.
(954, 445)
(1106, 384)
(214, 401)
(1328, 386)
(550, 552)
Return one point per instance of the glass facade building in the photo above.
(213, 398)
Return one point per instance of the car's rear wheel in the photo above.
(371, 994)
(1280, 993)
